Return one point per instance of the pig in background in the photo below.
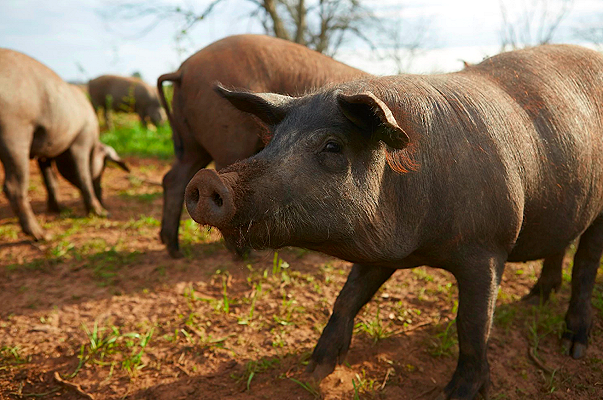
(205, 127)
(43, 117)
(502, 161)
(126, 94)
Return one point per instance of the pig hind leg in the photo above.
(75, 163)
(15, 158)
(478, 289)
(579, 316)
(550, 279)
(334, 342)
(174, 185)
(50, 181)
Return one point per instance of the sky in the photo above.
(80, 39)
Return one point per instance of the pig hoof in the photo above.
(41, 236)
(100, 213)
(574, 349)
(319, 371)
(467, 387)
(175, 253)
(540, 294)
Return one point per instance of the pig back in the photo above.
(510, 149)
(125, 93)
(36, 99)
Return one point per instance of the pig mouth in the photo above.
(211, 200)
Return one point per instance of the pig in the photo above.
(43, 117)
(206, 128)
(502, 161)
(129, 94)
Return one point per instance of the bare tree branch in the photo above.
(324, 25)
(535, 23)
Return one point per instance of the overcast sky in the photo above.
(74, 39)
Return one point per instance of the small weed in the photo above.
(11, 355)
(278, 338)
(255, 295)
(145, 198)
(192, 232)
(62, 250)
(225, 307)
(543, 322)
(374, 328)
(445, 342)
(362, 384)
(252, 368)
(108, 343)
(137, 343)
(422, 274)
(307, 387)
(504, 316)
(142, 222)
(279, 268)
(9, 232)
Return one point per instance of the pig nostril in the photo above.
(194, 196)
(217, 199)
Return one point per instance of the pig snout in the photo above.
(209, 198)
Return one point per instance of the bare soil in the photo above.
(209, 326)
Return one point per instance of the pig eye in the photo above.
(332, 147)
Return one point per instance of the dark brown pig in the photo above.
(129, 94)
(43, 117)
(206, 128)
(502, 161)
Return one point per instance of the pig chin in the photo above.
(255, 234)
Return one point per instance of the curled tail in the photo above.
(174, 77)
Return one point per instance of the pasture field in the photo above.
(101, 311)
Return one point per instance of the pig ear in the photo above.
(372, 115)
(111, 155)
(270, 108)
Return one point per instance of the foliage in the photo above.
(130, 138)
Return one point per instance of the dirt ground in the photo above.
(101, 311)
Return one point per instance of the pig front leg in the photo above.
(478, 289)
(50, 181)
(74, 165)
(332, 347)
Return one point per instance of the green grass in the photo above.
(374, 328)
(107, 346)
(445, 342)
(132, 139)
(9, 232)
(252, 368)
(145, 198)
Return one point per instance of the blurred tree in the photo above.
(136, 74)
(322, 25)
(530, 23)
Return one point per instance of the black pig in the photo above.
(462, 171)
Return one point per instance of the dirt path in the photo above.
(104, 306)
